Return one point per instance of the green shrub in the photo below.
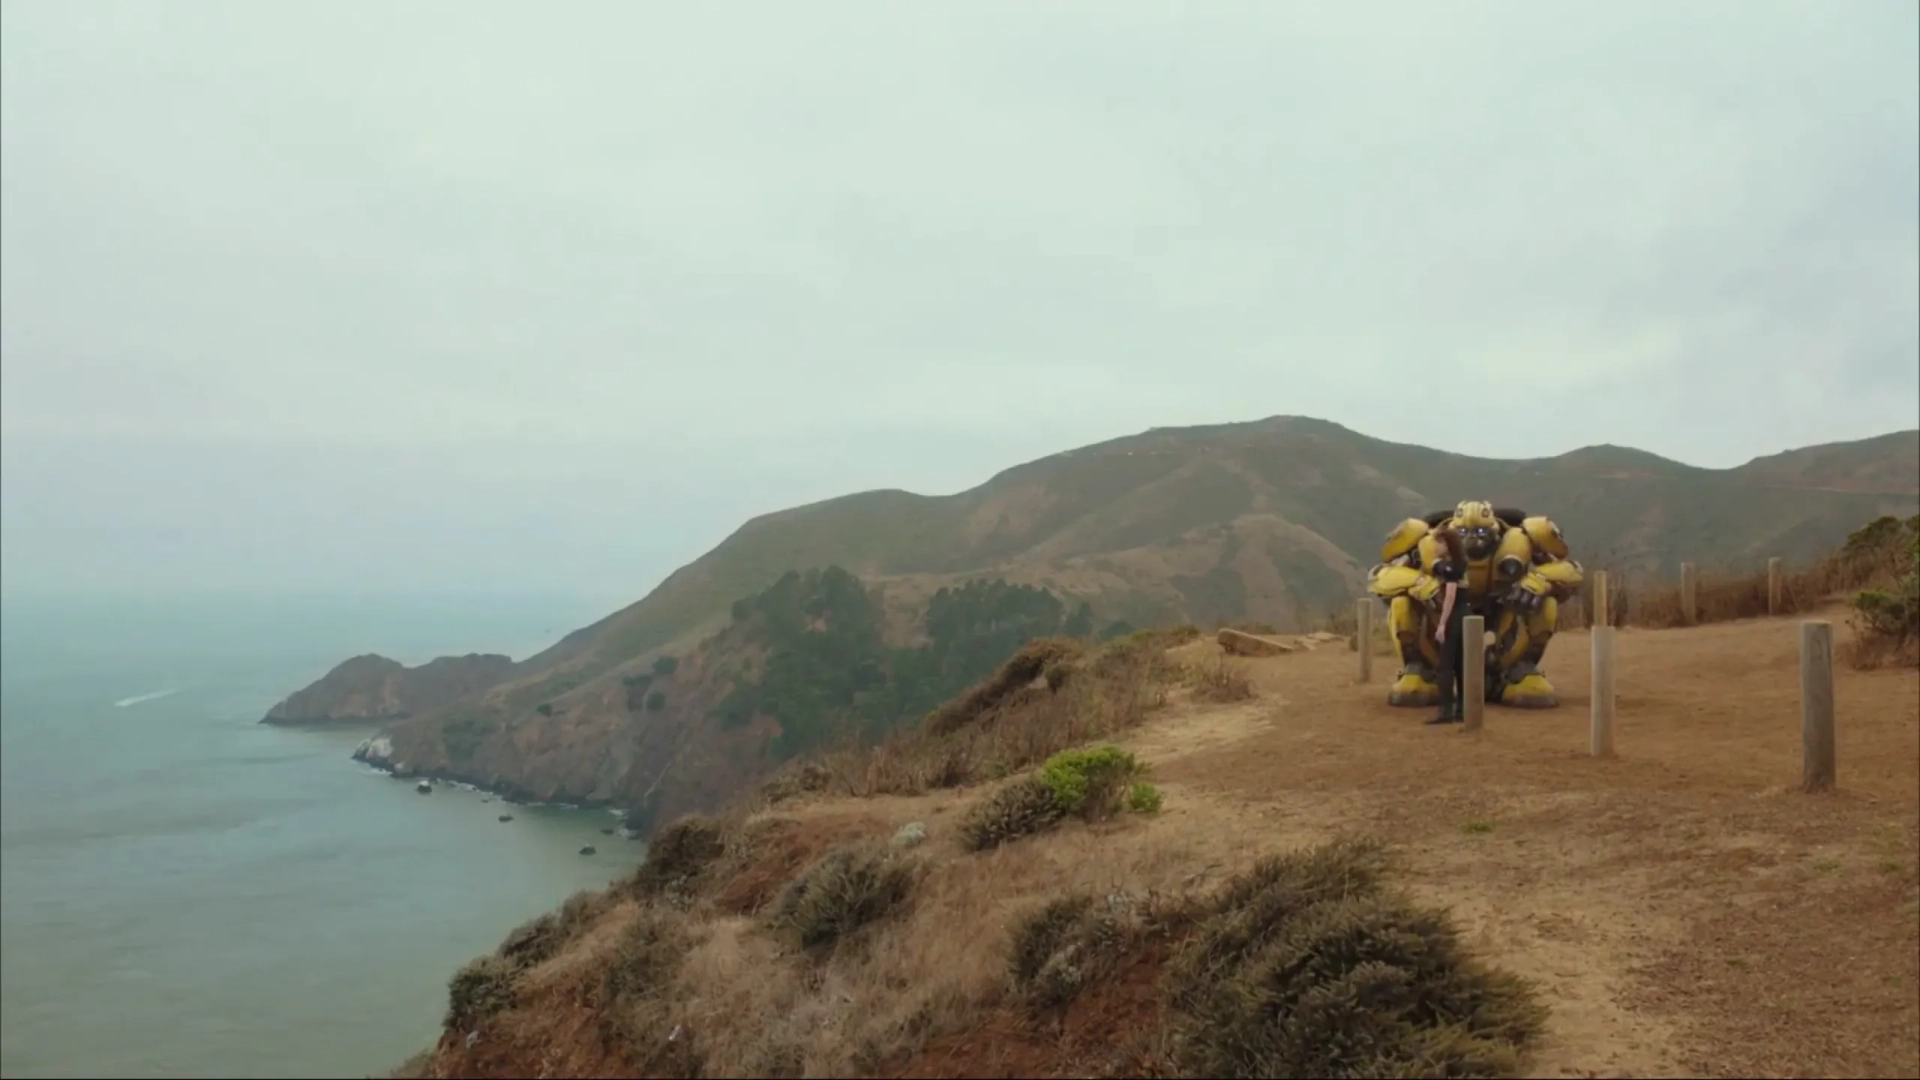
(656, 701)
(1143, 798)
(665, 666)
(1090, 783)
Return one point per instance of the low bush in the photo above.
(1886, 616)
(845, 890)
(1022, 808)
(482, 989)
(1091, 784)
(677, 855)
(1306, 966)
(1221, 680)
(1062, 947)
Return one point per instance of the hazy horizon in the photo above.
(547, 300)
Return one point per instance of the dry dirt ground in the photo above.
(1685, 909)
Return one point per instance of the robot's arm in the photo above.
(1546, 569)
(1413, 571)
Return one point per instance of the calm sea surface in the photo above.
(187, 892)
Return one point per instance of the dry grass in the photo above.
(1220, 679)
(1053, 695)
(1048, 659)
(1876, 553)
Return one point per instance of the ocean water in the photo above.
(187, 892)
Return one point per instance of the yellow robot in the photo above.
(1517, 574)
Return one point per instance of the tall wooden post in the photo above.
(1816, 706)
(1776, 586)
(1600, 737)
(1473, 670)
(1363, 636)
(1689, 594)
(1601, 615)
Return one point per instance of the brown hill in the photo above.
(374, 688)
(1889, 464)
(1275, 521)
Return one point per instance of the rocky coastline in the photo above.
(377, 753)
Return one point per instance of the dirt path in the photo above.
(1685, 910)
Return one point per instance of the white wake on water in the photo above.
(138, 698)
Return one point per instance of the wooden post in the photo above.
(1363, 637)
(1775, 586)
(1601, 616)
(1816, 705)
(1473, 671)
(1600, 739)
(1689, 594)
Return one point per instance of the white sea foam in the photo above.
(138, 698)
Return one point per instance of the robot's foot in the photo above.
(1532, 691)
(1413, 689)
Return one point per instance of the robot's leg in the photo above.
(1415, 686)
(1523, 684)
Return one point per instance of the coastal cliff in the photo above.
(372, 688)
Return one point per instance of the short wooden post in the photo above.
(1816, 705)
(1473, 671)
(1689, 594)
(1363, 637)
(1775, 585)
(1600, 738)
(1600, 612)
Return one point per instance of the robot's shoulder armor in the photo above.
(1405, 537)
(1514, 554)
(1546, 536)
(1392, 578)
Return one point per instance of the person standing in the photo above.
(1450, 625)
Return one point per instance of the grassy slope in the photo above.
(1274, 521)
(1658, 903)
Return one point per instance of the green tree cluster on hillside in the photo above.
(829, 671)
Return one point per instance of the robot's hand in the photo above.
(1527, 597)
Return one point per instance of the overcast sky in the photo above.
(550, 296)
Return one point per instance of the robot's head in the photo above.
(1479, 529)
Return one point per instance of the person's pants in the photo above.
(1452, 655)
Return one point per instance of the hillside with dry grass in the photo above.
(1150, 858)
(1273, 522)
